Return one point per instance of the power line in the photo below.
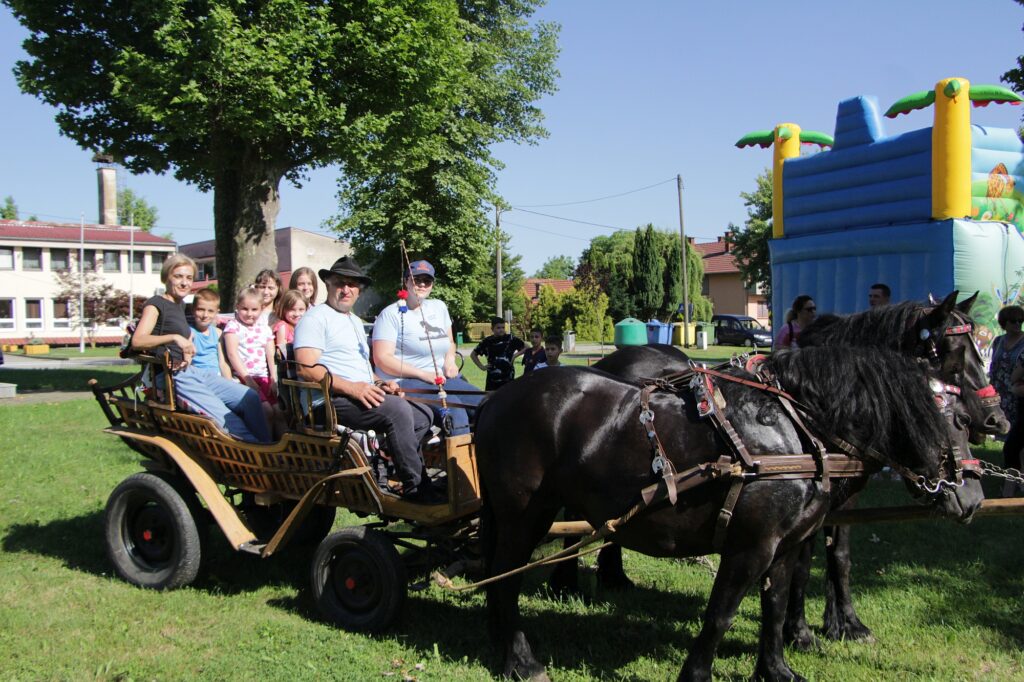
(556, 234)
(571, 220)
(610, 196)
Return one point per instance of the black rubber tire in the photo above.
(151, 536)
(359, 581)
(202, 517)
(749, 343)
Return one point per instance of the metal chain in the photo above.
(1009, 473)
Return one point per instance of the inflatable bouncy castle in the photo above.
(927, 211)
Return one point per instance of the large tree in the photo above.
(9, 210)
(235, 96)
(750, 243)
(648, 270)
(439, 197)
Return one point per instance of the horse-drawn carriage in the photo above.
(264, 496)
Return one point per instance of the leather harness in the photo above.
(740, 466)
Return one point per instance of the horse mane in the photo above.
(870, 396)
(882, 326)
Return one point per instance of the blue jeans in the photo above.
(233, 406)
(460, 417)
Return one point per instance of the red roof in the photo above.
(717, 259)
(72, 232)
(533, 284)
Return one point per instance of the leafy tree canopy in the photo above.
(134, 210)
(236, 96)
(750, 243)
(557, 267)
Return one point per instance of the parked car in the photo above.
(740, 330)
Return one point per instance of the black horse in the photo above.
(942, 333)
(573, 439)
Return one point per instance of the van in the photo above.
(740, 330)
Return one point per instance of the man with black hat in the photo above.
(332, 335)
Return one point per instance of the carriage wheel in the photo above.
(151, 535)
(359, 580)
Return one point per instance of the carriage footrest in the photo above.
(252, 547)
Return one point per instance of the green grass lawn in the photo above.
(65, 379)
(945, 601)
(73, 352)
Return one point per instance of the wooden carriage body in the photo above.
(316, 463)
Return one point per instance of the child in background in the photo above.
(249, 345)
(241, 400)
(535, 353)
(500, 349)
(305, 281)
(268, 284)
(289, 311)
(552, 349)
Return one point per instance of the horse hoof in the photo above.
(780, 674)
(849, 631)
(803, 640)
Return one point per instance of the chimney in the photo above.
(106, 175)
(691, 240)
(725, 238)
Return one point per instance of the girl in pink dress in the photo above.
(249, 347)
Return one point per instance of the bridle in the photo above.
(965, 326)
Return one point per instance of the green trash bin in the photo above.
(458, 338)
(630, 332)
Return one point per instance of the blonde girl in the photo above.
(268, 284)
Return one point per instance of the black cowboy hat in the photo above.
(346, 266)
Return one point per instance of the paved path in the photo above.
(33, 397)
(12, 361)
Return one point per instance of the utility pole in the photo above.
(81, 283)
(497, 230)
(682, 247)
(131, 268)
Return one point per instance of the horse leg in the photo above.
(736, 573)
(610, 573)
(513, 542)
(565, 578)
(841, 621)
(775, 597)
(796, 631)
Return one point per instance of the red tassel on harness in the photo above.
(986, 392)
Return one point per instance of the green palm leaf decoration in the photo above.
(759, 138)
(814, 137)
(919, 100)
(983, 95)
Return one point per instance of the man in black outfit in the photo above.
(500, 349)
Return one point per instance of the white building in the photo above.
(31, 253)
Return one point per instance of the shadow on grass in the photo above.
(63, 379)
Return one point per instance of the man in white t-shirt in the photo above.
(332, 335)
(415, 346)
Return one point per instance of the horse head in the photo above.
(945, 335)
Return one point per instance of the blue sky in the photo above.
(647, 90)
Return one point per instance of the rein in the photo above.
(965, 326)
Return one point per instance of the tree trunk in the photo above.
(246, 201)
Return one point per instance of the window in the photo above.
(33, 313)
(59, 259)
(31, 258)
(158, 258)
(207, 271)
(6, 313)
(6, 257)
(705, 286)
(61, 315)
(111, 261)
(139, 261)
(762, 309)
(90, 260)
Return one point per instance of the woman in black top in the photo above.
(163, 329)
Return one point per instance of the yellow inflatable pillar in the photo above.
(951, 150)
(787, 146)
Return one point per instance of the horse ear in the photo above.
(954, 362)
(937, 317)
(965, 305)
